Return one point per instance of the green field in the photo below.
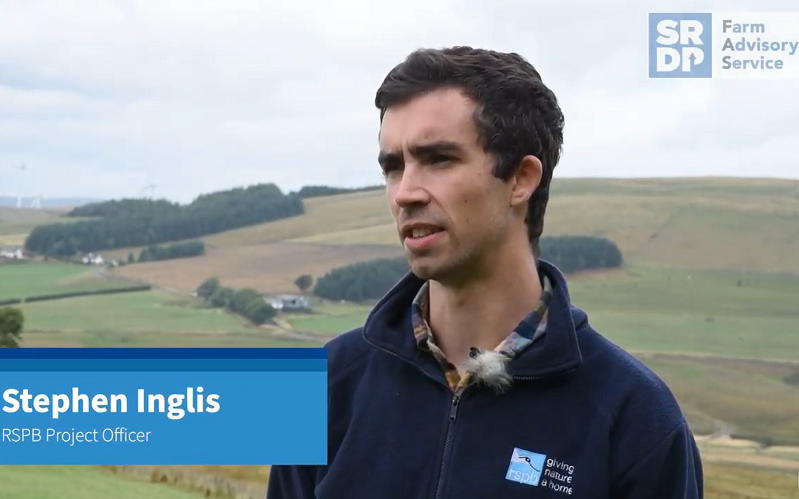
(662, 310)
(39, 278)
(78, 482)
(149, 311)
(151, 319)
(15, 221)
(330, 319)
(690, 311)
(751, 398)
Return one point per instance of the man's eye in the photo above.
(440, 159)
(390, 168)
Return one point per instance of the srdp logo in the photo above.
(680, 45)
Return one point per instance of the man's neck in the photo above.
(484, 311)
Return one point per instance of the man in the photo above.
(475, 377)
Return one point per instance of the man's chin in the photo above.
(426, 268)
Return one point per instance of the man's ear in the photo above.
(526, 180)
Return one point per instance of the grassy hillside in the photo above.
(727, 224)
(663, 310)
(723, 224)
(78, 482)
(16, 223)
(750, 399)
(37, 278)
(145, 319)
(269, 268)
(738, 481)
(692, 311)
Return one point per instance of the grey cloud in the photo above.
(199, 96)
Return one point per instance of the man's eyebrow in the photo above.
(390, 158)
(437, 147)
(387, 157)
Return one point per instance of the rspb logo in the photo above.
(680, 45)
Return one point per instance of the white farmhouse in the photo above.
(11, 252)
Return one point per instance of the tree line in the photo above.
(312, 191)
(146, 222)
(184, 249)
(126, 208)
(245, 302)
(370, 280)
(579, 253)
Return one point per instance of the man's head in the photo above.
(469, 139)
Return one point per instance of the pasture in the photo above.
(79, 482)
(143, 319)
(268, 268)
(661, 310)
(18, 222)
(39, 278)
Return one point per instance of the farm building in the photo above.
(92, 259)
(289, 303)
(12, 252)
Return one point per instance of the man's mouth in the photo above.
(420, 232)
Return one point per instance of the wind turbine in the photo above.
(22, 168)
(151, 188)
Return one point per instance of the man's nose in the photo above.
(411, 189)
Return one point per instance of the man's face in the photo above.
(450, 210)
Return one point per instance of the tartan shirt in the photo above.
(529, 330)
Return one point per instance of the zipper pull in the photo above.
(454, 409)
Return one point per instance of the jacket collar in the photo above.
(389, 327)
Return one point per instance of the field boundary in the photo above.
(709, 357)
(76, 294)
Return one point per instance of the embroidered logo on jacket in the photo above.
(525, 467)
(531, 468)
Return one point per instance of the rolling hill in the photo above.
(742, 225)
(16, 223)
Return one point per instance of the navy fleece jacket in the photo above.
(582, 419)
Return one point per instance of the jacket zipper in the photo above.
(453, 411)
(453, 415)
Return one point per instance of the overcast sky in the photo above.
(99, 99)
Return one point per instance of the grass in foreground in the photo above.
(737, 481)
(722, 481)
(21, 280)
(79, 482)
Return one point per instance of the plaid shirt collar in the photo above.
(528, 331)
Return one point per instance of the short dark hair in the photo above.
(517, 115)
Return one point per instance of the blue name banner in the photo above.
(163, 406)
